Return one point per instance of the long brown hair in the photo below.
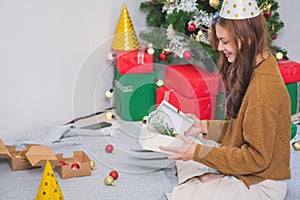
(253, 36)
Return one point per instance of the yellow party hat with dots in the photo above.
(125, 36)
(239, 9)
(49, 188)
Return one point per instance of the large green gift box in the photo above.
(293, 89)
(134, 95)
(293, 92)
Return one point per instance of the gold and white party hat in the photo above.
(239, 9)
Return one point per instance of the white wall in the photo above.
(53, 64)
(52, 55)
(288, 37)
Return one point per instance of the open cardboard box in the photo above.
(38, 155)
(31, 156)
(76, 166)
(18, 160)
(4, 153)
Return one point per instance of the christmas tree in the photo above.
(193, 19)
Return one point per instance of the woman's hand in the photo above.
(197, 127)
(184, 152)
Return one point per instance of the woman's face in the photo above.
(225, 43)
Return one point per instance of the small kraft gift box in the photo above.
(76, 166)
(192, 90)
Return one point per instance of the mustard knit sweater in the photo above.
(254, 146)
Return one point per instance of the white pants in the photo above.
(228, 188)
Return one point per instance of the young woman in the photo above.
(254, 153)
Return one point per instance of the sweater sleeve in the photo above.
(254, 155)
(216, 129)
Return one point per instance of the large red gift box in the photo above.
(192, 81)
(290, 71)
(134, 62)
(194, 89)
(202, 107)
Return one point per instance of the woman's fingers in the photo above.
(172, 149)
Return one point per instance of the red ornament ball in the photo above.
(268, 13)
(109, 148)
(202, 1)
(114, 174)
(187, 55)
(75, 166)
(274, 37)
(192, 27)
(162, 56)
(62, 163)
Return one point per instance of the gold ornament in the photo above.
(200, 33)
(296, 146)
(93, 165)
(109, 180)
(125, 37)
(214, 3)
(268, 6)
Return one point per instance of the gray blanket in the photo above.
(143, 175)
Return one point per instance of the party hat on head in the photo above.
(49, 188)
(125, 37)
(239, 9)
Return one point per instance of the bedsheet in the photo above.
(143, 175)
